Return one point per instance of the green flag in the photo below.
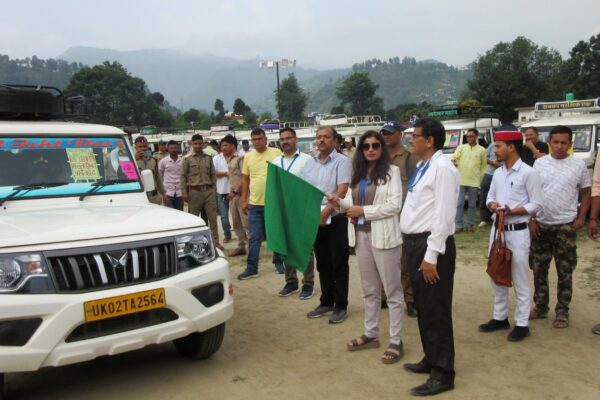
(292, 216)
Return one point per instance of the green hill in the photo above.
(400, 82)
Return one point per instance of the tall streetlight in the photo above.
(270, 64)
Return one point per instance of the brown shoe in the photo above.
(227, 239)
(237, 252)
(219, 246)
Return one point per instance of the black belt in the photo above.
(416, 236)
(514, 227)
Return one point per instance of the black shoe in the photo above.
(289, 289)
(248, 275)
(384, 304)
(431, 387)
(319, 311)
(411, 310)
(518, 333)
(494, 325)
(339, 315)
(307, 292)
(419, 368)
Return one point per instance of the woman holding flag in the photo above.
(373, 205)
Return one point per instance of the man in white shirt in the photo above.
(293, 161)
(222, 172)
(427, 225)
(245, 148)
(554, 229)
(515, 190)
(169, 169)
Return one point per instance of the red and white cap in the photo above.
(508, 133)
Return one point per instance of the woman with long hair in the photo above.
(373, 205)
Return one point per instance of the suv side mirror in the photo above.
(148, 180)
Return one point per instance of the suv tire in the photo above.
(200, 345)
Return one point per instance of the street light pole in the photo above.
(283, 63)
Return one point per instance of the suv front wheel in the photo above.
(200, 345)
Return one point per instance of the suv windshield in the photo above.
(582, 136)
(452, 138)
(78, 163)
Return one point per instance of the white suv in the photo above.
(88, 266)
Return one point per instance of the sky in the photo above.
(317, 33)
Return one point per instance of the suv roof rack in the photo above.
(31, 103)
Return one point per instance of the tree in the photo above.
(358, 90)
(35, 71)
(516, 74)
(265, 116)
(470, 106)
(250, 118)
(582, 70)
(220, 109)
(239, 107)
(114, 97)
(191, 115)
(337, 110)
(291, 100)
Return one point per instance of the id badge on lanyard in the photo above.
(362, 195)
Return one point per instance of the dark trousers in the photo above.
(332, 252)
(484, 213)
(434, 304)
(175, 202)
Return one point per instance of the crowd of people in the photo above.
(399, 210)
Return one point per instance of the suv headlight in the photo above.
(24, 273)
(194, 250)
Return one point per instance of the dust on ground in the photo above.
(272, 351)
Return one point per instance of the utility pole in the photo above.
(283, 63)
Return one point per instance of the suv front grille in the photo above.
(104, 267)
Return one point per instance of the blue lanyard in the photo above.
(291, 163)
(413, 179)
(362, 197)
(362, 192)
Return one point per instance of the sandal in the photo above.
(561, 321)
(367, 343)
(389, 356)
(535, 314)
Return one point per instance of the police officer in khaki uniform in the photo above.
(198, 181)
(144, 160)
(162, 150)
(402, 158)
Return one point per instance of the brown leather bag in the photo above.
(499, 261)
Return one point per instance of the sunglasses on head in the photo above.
(368, 146)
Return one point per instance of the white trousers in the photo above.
(377, 267)
(518, 242)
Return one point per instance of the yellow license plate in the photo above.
(122, 305)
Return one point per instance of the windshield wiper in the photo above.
(100, 184)
(30, 187)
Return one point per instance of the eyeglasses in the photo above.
(368, 146)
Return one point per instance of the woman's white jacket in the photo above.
(384, 214)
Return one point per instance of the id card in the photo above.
(328, 219)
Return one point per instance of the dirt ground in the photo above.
(272, 351)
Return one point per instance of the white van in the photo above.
(584, 122)
(456, 131)
(88, 267)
